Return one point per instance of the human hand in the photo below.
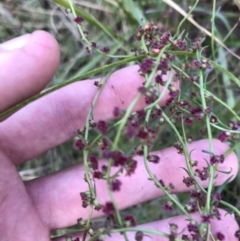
(30, 210)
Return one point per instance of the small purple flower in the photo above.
(224, 136)
(102, 126)
(233, 125)
(139, 236)
(203, 174)
(108, 208)
(189, 181)
(153, 158)
(79, 144)
(116, 185)
(213, 119)
(192, 227)
(147, 65)
(181, 44)
(93, 162)
(131, 167)
(117, 112)
(197, 63)
(197, 113)
(193, 78)
(98, 175)
(206, 218)
(130, 221)
(165, 38)
(215, 159)
(237, 234)
(94, 45)
(79, 19)
(191, 207)
(188, 121)
(105, 50)
(219, 236)
(168, 206)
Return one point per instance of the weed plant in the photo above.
(200, 58)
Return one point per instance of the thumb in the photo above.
(27, 64)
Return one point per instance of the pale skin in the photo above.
(30, 210)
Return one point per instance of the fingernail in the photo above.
(16, 43)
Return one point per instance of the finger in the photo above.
(57, 196)
(227, 226)
(55, 118)
(27, 64)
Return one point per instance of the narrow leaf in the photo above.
(222, 187)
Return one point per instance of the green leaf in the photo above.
(226, 72)
(222, 187)
(135, 11)
(207, 152)
(88, 18)
(225, 172)
(185, 170)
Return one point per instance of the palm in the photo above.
(29, 211)
(20, 219)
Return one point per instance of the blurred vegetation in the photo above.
(121, 18)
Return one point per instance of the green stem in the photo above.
(79, 26)
(185, 18)
(163, 92)
(120, 129)
(210, 94)
(86, 151)
(135, 229)
(234, 209)
(108, 179)
(167, 193)
(119, 63)
(90, 18)
(131, 106)
(230, 150)
(144, 230)
(88, 223)
(213, 42)
(85, 38)
(223, 129)
(185, 151)
(212, 168)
